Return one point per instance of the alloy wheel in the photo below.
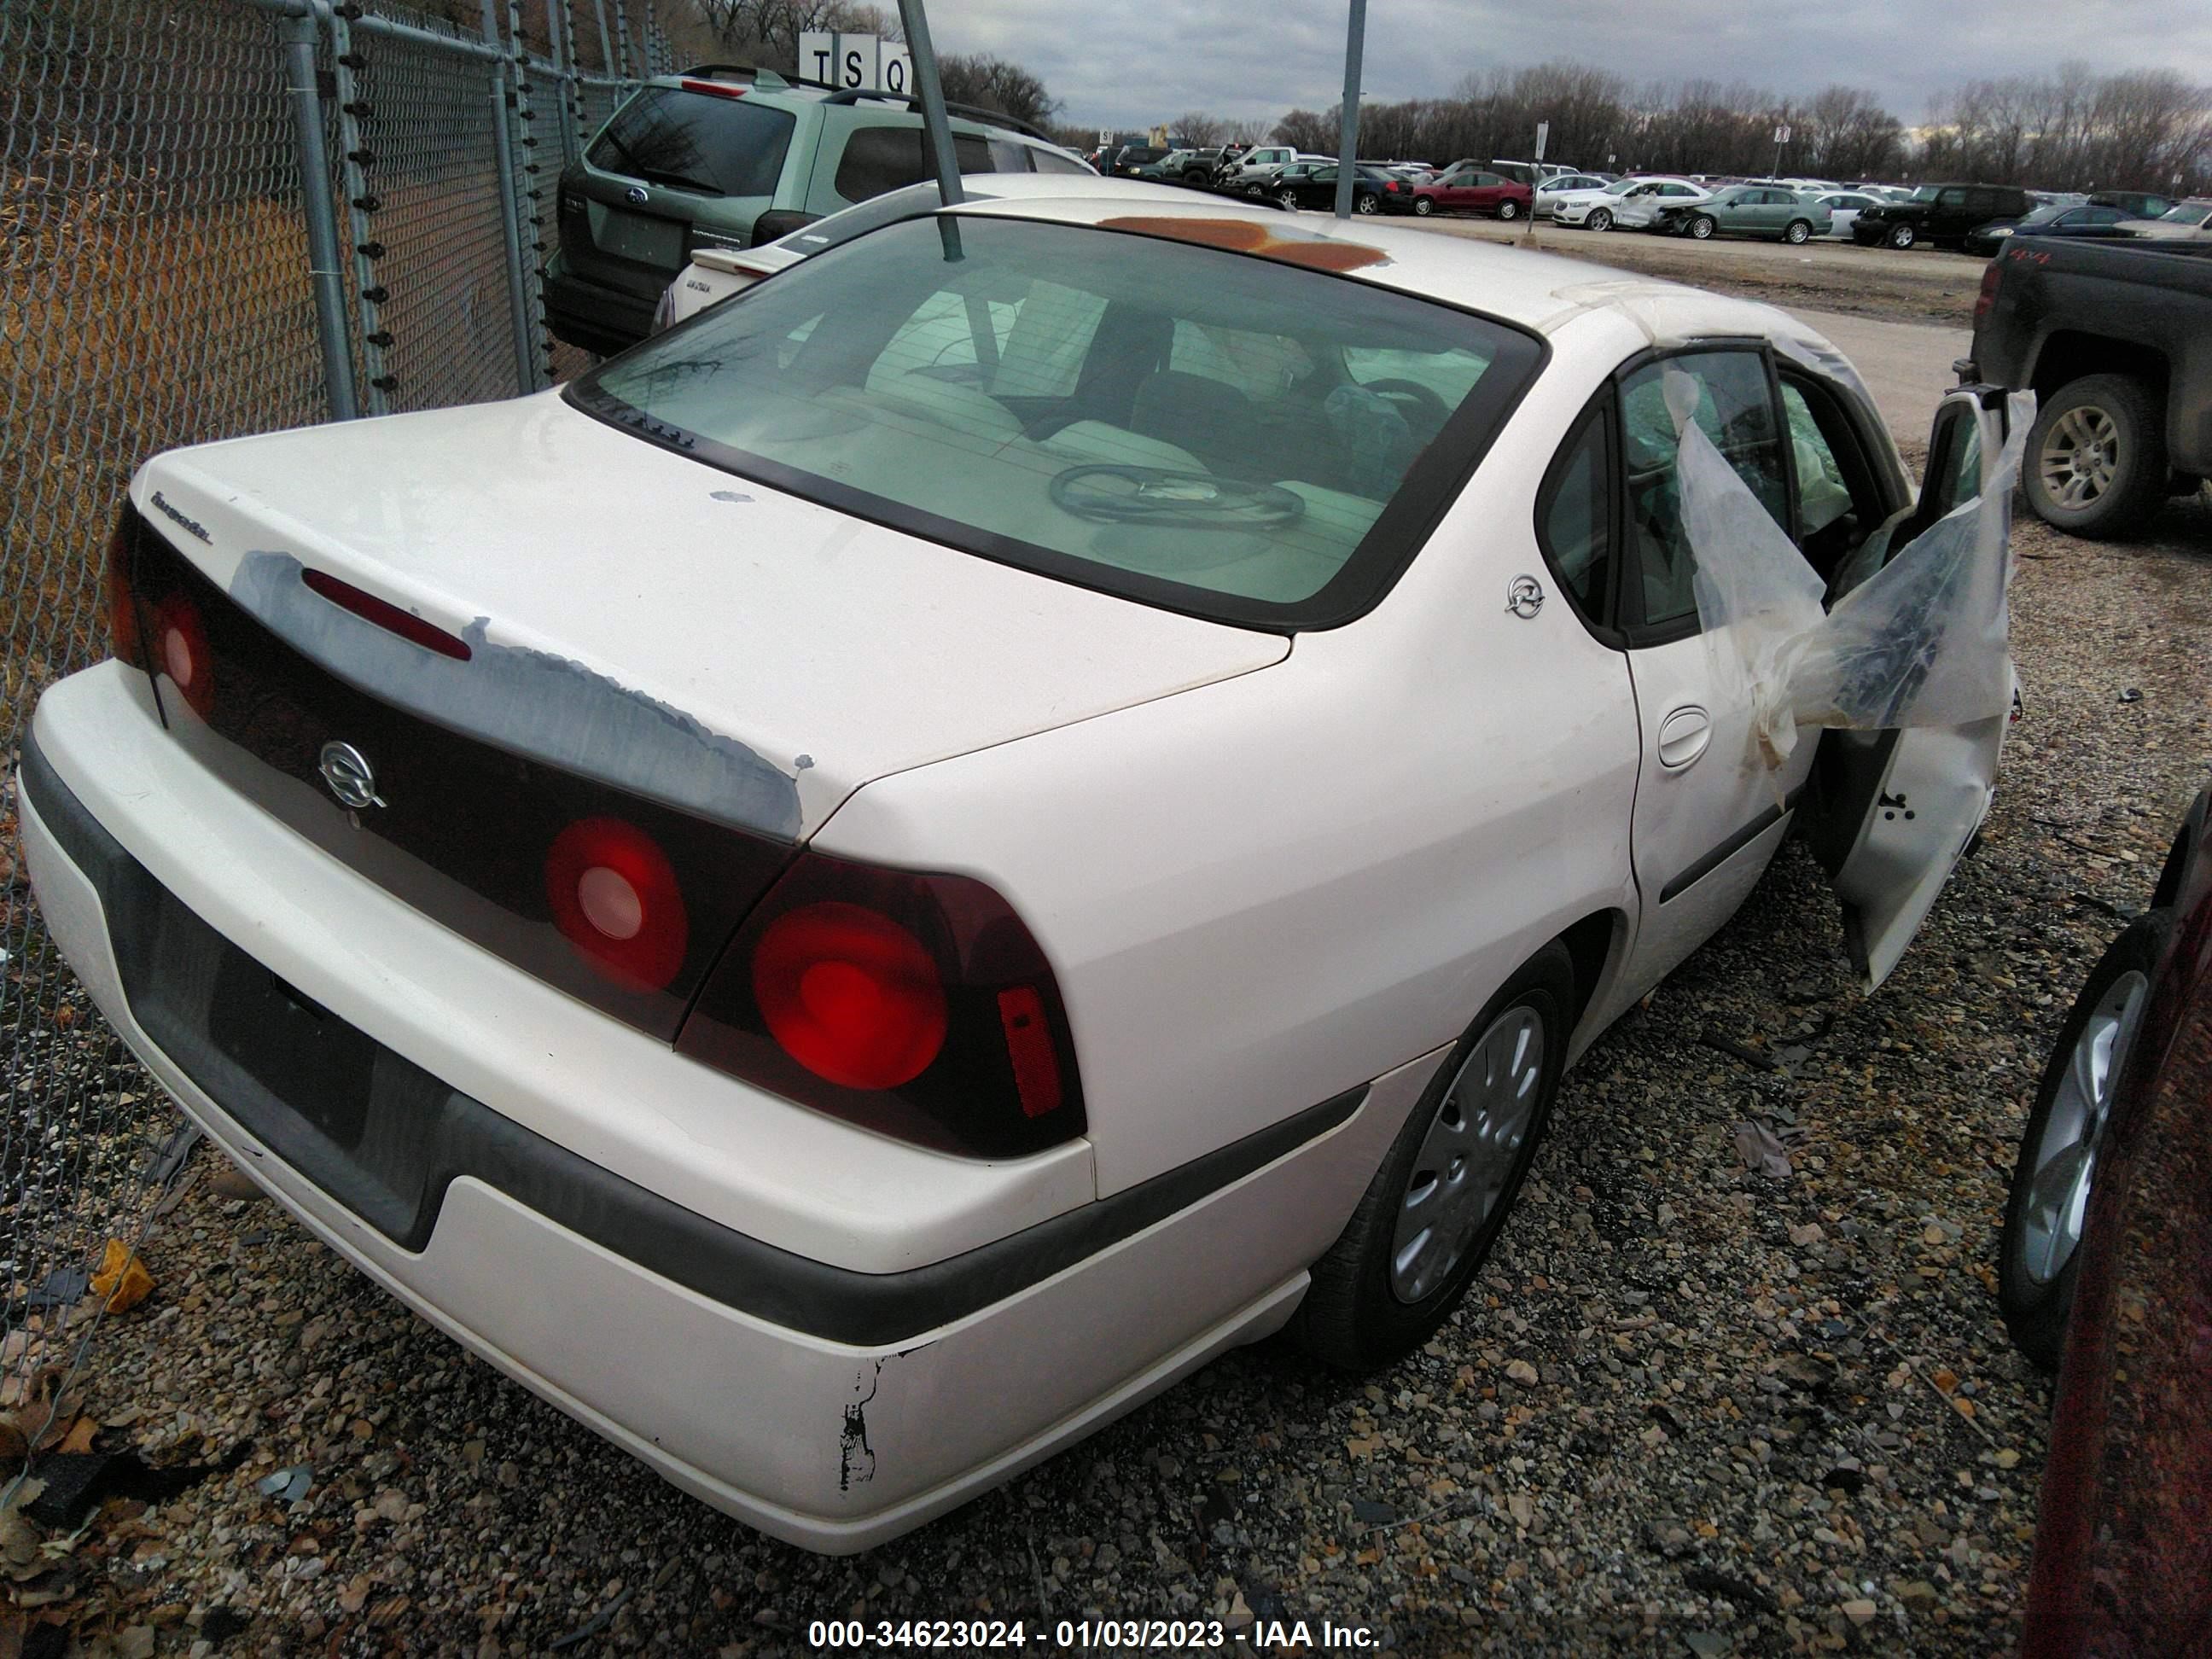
(2081, 456)
(1468, 1158)
(2072, 1134)
(1424, 206)
(1368, 205)
(1601, 220)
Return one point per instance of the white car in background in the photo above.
(1844, 206)
(715, 274)
(847, 898)
(1548, 193)
(1626, 203)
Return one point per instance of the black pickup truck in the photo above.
(2116, 340)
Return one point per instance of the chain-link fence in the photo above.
(217, 217)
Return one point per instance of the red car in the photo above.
(1467, 188)
(2111, 1213)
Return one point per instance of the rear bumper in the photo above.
(602, 320)
(831, 1408)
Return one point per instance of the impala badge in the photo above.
(349, 775)
(1524, 597)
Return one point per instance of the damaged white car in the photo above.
(1047, 793)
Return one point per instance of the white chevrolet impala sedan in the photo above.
(1048, 792)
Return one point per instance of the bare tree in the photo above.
(1199, 130)
(994, 83)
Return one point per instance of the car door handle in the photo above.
(1683, 735)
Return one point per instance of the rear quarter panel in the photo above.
(1264, 891)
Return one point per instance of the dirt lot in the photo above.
(1688, 1407)
(1916, 285)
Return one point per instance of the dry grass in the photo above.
(125, 328)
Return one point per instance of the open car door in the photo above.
(1889, 812)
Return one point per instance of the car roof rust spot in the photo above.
(1244, 236)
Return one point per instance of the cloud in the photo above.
(1119, 66)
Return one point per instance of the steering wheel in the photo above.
(1424, 398)
(1169, 500)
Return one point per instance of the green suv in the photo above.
(725, 157)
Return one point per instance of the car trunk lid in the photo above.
(666, 627)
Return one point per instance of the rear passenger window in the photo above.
(1735, 410)
(1574, 516)
(877, 159)
(1048, 161)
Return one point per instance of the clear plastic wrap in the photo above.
(1920, 640)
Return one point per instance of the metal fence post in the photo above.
(622, 39)
(365, 249)
(299, 34)
(518, 295)
(607, 66)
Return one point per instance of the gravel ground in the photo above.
(1686, 1409)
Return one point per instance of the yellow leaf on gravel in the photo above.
(122, 1278)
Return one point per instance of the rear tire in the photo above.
(2096, 457)
(1398, 1270)
(1799, 232)
(1901, 236)
(2053, 1177)
(1508, 210)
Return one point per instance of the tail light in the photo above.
(614, 896)
(123, 631)
(917, 1005)
(1988, 297)
(182, 652)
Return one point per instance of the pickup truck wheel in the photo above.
(1600, 219)
(1433, 1211)
(2096, 459)
(1800, 232)
(1900, 236)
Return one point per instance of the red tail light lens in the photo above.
(1988, 296)
(614, 897)
(850, 994)
(180, 651)
(122, 604)
(918, 1004)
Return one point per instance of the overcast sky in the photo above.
(1133, 65)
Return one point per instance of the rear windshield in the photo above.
(696, 141)
(1224, 435)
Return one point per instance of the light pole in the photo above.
(1348, 132)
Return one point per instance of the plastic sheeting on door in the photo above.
(1921, 639)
